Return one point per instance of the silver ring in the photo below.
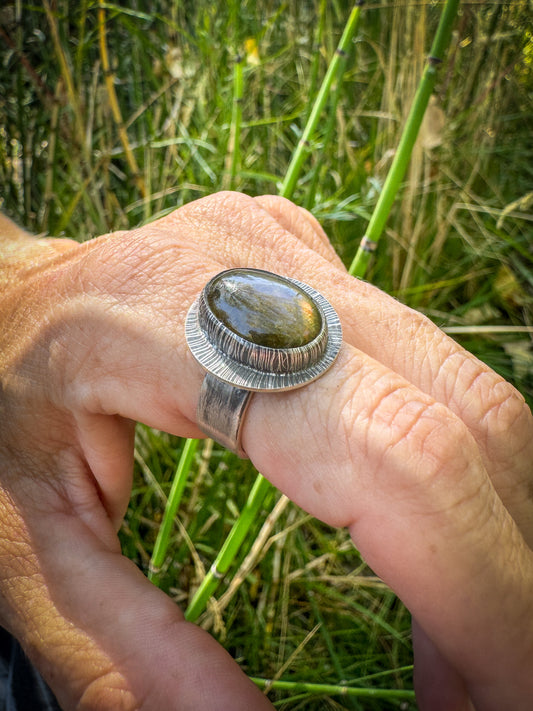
(255, 331)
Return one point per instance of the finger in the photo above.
(438, 685)
(402, 339)
(365, 449)
(100, 633)
(106, 445)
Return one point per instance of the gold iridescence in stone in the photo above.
(264, 309)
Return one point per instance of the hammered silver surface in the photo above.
(220, 412)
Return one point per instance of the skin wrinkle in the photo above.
(120, 253)
(433, 479)
(500, 414)
(503, 410)
(426, 361)
(385, 390)
(217, 229)
(424, 430)
(405, 422)
(279, 246)
(145, 269)
(473, 388)
(471, 373)
(468, 405)
(437, 383)
(447, 445)
(155, 271)
(354, 438)
(169, 264)
(391, 396)
(475, 519)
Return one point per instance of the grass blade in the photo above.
(174, 498)
(336, 64)
(401, 159)
(230, 548)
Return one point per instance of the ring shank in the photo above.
(220, 412)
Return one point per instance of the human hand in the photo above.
(422, 451)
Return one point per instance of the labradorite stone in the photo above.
(264, 308)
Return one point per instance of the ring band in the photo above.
(255, 331)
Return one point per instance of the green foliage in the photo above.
(457, 244)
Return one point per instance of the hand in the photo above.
(420, 449)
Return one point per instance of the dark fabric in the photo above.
(21, 686)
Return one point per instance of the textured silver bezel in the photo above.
(267, 370)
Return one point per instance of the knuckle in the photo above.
(217, 207)
(480, 396)
(405, 432)
(497, 414)
(437, 464)
(109, 691)
(443, 441)
(505, 408)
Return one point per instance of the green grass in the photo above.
(302, 606)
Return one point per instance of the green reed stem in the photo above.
(236, 120)
(230, 548)
(396, 173)
(317, 56)
(304, 146)
(327, 136)
(333, 689)
(174, 498)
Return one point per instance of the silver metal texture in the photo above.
(220, 412)
(236, 367)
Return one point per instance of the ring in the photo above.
(255, 331)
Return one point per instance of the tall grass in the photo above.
(300, 603)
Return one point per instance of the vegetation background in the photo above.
(112, 114)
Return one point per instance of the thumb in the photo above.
(100, 633)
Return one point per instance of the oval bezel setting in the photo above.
(251, 366)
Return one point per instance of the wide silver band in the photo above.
(220, 412)
(239, 361)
